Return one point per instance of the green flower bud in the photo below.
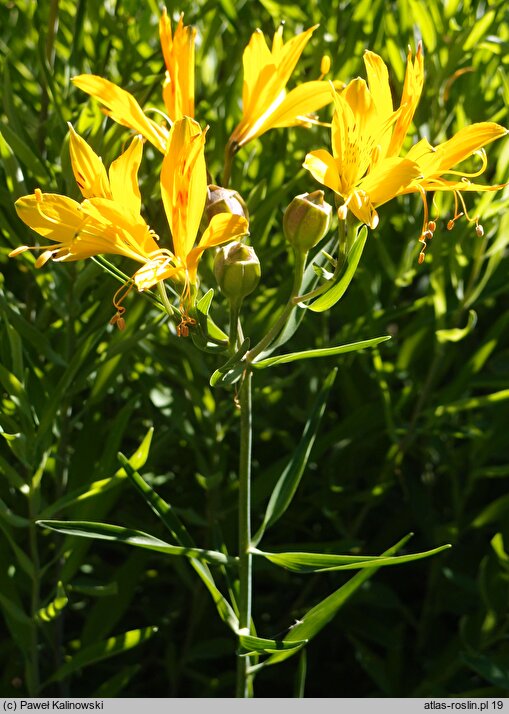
(307, 219)
(224, 200)
(237, 270)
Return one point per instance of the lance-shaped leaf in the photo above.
(208, 336)
(289, 480)
(55, 607)
(340, 283)
(169, 518)
(129, 536)
(325, 352)
(231, 370)
(323, 562)
(97, 488)
(102, 650)
(316, 618)
(258, 645)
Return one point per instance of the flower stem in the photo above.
(33, 681)
(298, 272)
(244, 680)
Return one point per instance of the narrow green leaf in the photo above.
(316, 618)
(24, 561)
(53, 610)
(14, 611)
(129, 536)
(102, 650)
(479, 29)
(494, 669)
(113, 686)
(259, 645)
(170, 519)
(231, 370)
(325, 352)
(336, 291)
(97, 488)
(495, 511)
(289, 480)
(472, 403)
(456, 334)
(321, 562)
(161, 508)
(11, 518)
(23, 152)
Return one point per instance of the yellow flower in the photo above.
(178, 51)
(109, 220)
(360, 169)
(365, 168)
(178, 86)
(184, 192)
(266, 73)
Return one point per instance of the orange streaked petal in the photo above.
(184, 184)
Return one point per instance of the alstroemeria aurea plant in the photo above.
(265, 103)
(109, 220)
(178, 87)
(365, 168)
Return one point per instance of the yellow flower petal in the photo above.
(388, 178)
(378, 81)
(324, 168)
(184, 184)
(266, 73)
(464, 143)
(87, 167)
(412, 90)
(123, 175)
(178, 51)
(123, 108)
(223, 227)
(55, 217)
(304, 99)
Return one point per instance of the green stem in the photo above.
(345, 230)
(33, 679)
(300, 262)
(164, 298)
(229, 153)
(245, 557)
(234, 325)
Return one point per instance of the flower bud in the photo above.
(224, 200)
(237, 270)
(306, 220)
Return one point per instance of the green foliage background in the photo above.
(415, 433)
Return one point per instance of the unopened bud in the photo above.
(224, 200)
(479, 230)
(237, 270)
(325, 65)
(307, 219)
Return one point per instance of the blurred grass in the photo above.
(412, 439)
